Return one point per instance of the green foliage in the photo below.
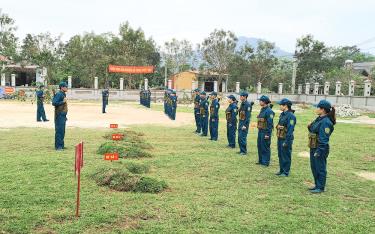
(8, 39)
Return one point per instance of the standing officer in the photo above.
(105, 97)
(61, 110)
(40, 113)
(285, 137)
(214, 116)
(173, 104)
(197, 99)
(231, 116)
(244, 122)
(320, 131)
(265, 126)
(203, 113)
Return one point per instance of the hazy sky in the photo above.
(345, 22)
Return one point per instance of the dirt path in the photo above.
(87, 115)
(359, 120)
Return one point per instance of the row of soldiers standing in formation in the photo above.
(145, 98)
(170, 103)
(320, 130)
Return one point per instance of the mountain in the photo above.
(253, 42)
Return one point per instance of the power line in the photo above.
(366, 41)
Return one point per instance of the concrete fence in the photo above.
(363, 102)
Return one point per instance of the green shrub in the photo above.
(138, 168)
(150, 185)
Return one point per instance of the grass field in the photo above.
(211, 188)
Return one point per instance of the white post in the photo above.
(215, 86)
(69, 82)
(326, 88)
(96, 82)
(13, 80)
(193, 85)
(121, 83)
(169, 84)
(196, 84)
(259, 88)
(224, 86)
(202, 86)
(351, 88)
(2, 79)
(316, 88)
(299, 88)
(338, 88)
(294, 75)
(307, 89)
(367, 91)
(280, 90)
(146, 84)
(237, 87)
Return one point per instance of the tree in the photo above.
(8, 40)
(43, 50)
(178, 55)
(263, 60)
(312, 59)
(218, 50)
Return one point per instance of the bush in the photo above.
(150, 185)
(138, 168)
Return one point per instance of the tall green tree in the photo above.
(43, 50)
(313, 60)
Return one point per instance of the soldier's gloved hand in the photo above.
(266, 137)
(243, 128)
(213, 120)
(230, 125)
(316, 155)
(64, 100)
(285, 145)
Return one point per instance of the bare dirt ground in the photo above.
(86, 115)
(359, 120)
(366, 175)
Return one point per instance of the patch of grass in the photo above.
(124, 151)
(150, 185)
(111, 147)
(213, 189)
(136, 168)
(121, 180)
